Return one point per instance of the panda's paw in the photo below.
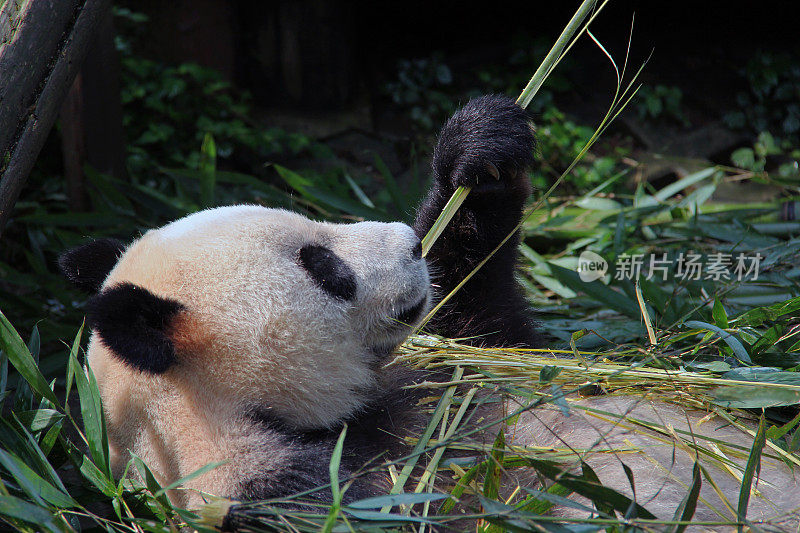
(487, 146)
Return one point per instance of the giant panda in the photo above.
(249, 336)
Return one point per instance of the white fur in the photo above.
(200, 221)
(256, 331)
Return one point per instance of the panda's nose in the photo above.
(416, 251)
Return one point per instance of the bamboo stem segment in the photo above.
(548, 64)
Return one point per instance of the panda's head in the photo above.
(255, 307)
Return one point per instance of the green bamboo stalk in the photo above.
(555, 54)
(550, 61)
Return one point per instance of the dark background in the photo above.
(284, 48)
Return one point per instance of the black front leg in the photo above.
(488, 146)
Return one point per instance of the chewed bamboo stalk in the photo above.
(523, 366)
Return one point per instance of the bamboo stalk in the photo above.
(534, 84)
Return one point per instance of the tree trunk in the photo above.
(37, 68)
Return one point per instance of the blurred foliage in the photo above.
(784, 156)
(560, 140)
(427, 91)
(512, 76)
(661, 102)
(772, 101)
(678, 219)
(169, 109)
(770, 109)
(423, 89)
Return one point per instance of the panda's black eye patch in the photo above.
(328, 271)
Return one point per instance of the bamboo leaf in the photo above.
(21, 358)
(597, 291)
(333, 470)
(208, 170)
(688, 505)
(730, 340)
(756, 317)
(182, 481)
(719, 314)
(33, 484)
(92, 414)
(491, 484)
(28, 512)
(753, 465)
(392, 500)
(335, 464)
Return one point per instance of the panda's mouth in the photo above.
(408, 316)
(396, 326)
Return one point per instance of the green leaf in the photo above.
(548, 373)
(3, 376)
(333, 471)
(598, 204)
(28, 512)
(719, 314)
(182, 481)
(49, 439)
(33, 484)
(541, 501)
(692, 179)
(335, 463)
(92, 414)
(774, 432)
(730, 340)
(39, 419)
(307, 189)
(391, 500)
(387, 517)
(744, 158)
(590, 476)
(391, 184)
(688, 505)
(597, 291)
(491, 484)
(794, 444)
(150, 482)
(36, 458)
(753, 464)
(755, 397)
(358, 191)
(759, 315)
(763, 375)
(462, 485)
(588, 489)
(35, 343)
(21, 358)
(208, 170)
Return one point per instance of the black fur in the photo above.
(88, 265)
(134, 323)
(373, 436)
(328, 271)
(489, 135)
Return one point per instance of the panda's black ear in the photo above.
(88, 265)
(135, 324)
